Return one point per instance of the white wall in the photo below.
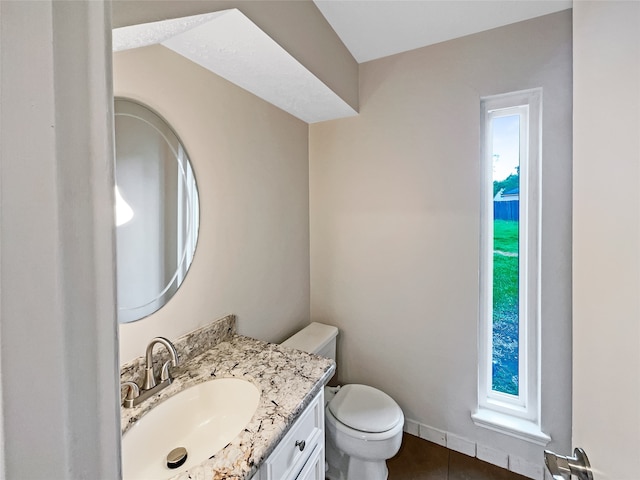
(251, 167)
(59, 337)
(394, 197)
(606, 226)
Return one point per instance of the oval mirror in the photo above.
(157, 211)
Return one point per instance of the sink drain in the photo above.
(177, 457)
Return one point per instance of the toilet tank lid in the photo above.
(313, 338)
(365, 408)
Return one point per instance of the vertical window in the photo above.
(505, 125)
(508, 376)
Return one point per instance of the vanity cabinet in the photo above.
(314, 467)
(300, 454)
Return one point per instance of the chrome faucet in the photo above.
(149, 377)
(150, 386)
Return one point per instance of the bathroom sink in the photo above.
(202, 419)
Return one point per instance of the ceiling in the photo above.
(227, 43)
(372, 29)
(232, 46)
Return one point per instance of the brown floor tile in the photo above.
(419, 460)
(422, 460)
(462, 467)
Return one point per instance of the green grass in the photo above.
(505, 236)
(505, 308)
(505, 269)
(505, 286)
(505, 325)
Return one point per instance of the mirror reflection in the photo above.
(157, 210)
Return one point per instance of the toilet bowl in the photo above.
(363, 425)
(363, 428)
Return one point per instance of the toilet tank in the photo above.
(315, 338)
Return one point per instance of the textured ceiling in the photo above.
(233, 47)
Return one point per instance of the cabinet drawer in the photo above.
(298, 444)
(314, 469)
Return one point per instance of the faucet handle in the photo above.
(133, 391)
(165, 374)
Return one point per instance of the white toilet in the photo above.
(363, 425)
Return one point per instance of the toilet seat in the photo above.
(365, 409)
(333, 424)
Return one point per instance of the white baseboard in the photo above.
(526, 468)
(411, 427)
(493, 456)
(482, 452)
(433, 435)
(461, 445)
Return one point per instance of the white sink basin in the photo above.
(203, 419)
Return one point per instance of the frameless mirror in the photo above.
(157, 210)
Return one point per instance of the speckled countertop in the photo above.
(288, 380)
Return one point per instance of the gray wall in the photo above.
(394, 198)
(251, 164)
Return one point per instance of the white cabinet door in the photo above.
(304, 441)
(314, 468)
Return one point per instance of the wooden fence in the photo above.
(506, 210)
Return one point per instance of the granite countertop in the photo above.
(288, 380)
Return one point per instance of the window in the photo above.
(509, 376)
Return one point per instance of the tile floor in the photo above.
(422, 460)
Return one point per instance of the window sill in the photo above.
(515, 427)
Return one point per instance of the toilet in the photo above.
(363, 425)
